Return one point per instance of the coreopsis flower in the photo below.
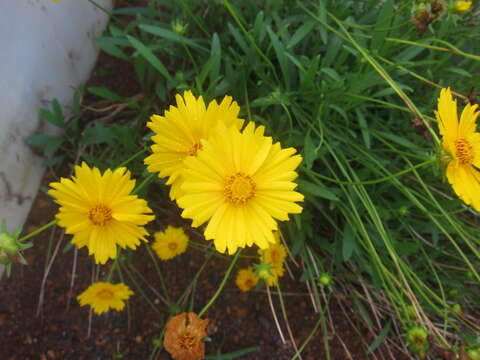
(184, 336)
(170, 243)
(240, 183)
(246, 279)
(179, 132)
(461, 142)
(462, 6)
(103, 296)
(99, 211)
(274, 256)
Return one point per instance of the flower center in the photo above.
(172, 246)
(464, 151)
(193, 151)
(239, 188)
(99, 215)
(105, 294)
(275, 256)
(186, 341)
(249, 283)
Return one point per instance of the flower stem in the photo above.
(39, 230)
(145, 182)
(222, 284)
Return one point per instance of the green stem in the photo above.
(145, 182)
(375, 181)
(39, 230)
(134, 156)
(222, 284)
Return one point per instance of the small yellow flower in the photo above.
(462, 144)
(179, 132)
(274, 256)
(240, 183)
(100, 212)
(246, 279)
(462, 6)
(102, 296)
(170, 243)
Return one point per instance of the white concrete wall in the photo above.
(46, 50)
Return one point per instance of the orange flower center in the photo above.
(105, 294)
(193, 151)
(275, 256)
(100, 215)
(464, 151)
(186, 341)
(249, 283)
(172, 246)
(239, 189)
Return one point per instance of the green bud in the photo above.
(325, 279)
(179, 27)
(417, 337)
(473, 354)
(403, 211)
(453, 293)
(457, 309)
(263, 271)
(8, 243)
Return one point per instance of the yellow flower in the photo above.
(274, 256)
(102, 296)
(100, 212)
(239, 183)
(170, 243)
(178, 134)
(184, 336)
(246, 279)
(462, 143)
(462, 6)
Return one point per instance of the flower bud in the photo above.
(8, 243)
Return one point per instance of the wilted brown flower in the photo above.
(184, 335)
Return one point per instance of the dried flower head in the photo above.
(184, 335)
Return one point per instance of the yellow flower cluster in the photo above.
(461, 143)
(237, 182)
(271, 267)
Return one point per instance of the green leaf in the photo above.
(316, 190)
(172, 36)
(282, 59)
(106, 94)
(150, 57)
(300, 34)
(348, 242)
(380, 338)
(310, 151)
